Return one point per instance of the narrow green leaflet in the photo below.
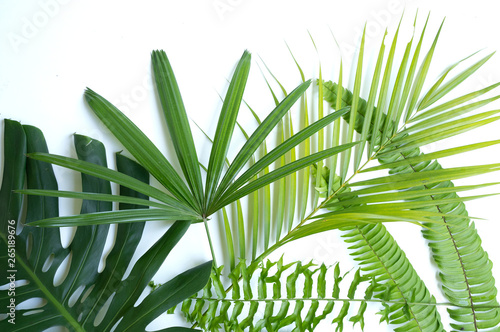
(111, 175)
(229, 239)
(304, 122)
(113, 217)
(260, 134)
(284, 171)
(454, 113)
(93, 197)
(411, 73)
(283, 148)
(432, 156)
(352, 198)
(452, 103)
(226, 124)
(436, 86)
(428, 176)
(370, 105)
(455, 81)
(178, 123)
(382, 103)
(139, 145)
(418, 83)
(345, 157)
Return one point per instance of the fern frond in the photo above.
(304, 304)
(382, 259)
(465, 269)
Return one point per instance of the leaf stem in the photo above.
(445, 304)
(210, 241)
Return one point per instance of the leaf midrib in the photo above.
(131, 293)
(282, 299)
(107, 282)
(462, 267)
(390, 276)
(59, 306)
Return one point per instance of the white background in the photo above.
(51, 50)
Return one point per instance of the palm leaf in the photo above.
(137, 143)
(281, 150)
(284, 171)
(405, 159)
(373, 203)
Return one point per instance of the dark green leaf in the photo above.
(225, 126)
(139, 145)
(166, 296)
(177, 121)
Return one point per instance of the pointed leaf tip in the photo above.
(90, 94)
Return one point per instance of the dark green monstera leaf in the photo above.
(85, 299)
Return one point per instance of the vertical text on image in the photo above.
(11, 270)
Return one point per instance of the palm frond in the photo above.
(143, 150)
(406, 159)
(394, 197)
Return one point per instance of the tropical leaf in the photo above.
(309, 298)
(465, 269)
(454, 238)
(139, 145)
(225, 126)
(381, 258)
(258, 136)
(79, 299)
(393, 125)
(398, 197)
(184, 200)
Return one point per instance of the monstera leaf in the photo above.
(83, 299)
